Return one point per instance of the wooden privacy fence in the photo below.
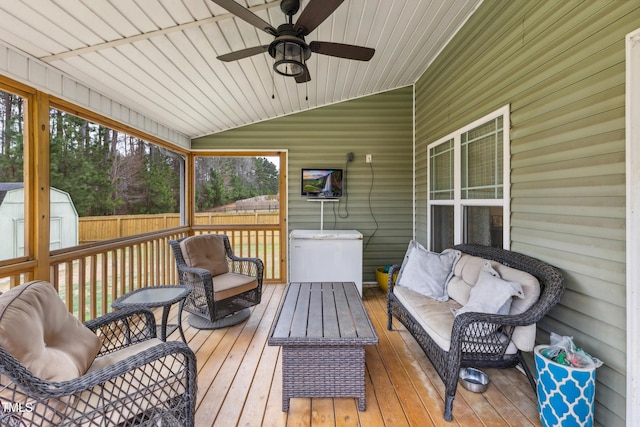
(98, 228)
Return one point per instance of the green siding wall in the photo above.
(380, 194)
(561, 67)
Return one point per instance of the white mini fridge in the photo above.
(326, 256)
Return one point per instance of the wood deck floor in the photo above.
(240, 381)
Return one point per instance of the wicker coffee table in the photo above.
(322, 328)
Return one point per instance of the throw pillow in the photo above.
(427, 272)
(490, 294)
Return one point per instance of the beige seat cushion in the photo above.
(230, 284)
(466, 272)
(206, 251)
(435, 317)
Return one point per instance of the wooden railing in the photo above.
(257, 241)
(89, 277)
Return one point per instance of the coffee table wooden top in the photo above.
(322, 313)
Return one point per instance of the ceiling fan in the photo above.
(288, 48)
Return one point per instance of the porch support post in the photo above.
(283, 211)
(37, 183)
(633, 225)
(190, 194)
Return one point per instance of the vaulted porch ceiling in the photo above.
(158, 57)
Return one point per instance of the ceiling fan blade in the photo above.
(304, 77)
(340, 50)
(314, 14)
(243, 53)
(246, 15)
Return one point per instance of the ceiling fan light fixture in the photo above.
(290, 55)
(289, 58)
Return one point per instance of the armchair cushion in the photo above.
(37, 329)
(230, 284)
(205, 251)
(112, 358)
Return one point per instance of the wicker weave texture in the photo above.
(323, 371)
(156, 386)
(201, 301)
(470, 345)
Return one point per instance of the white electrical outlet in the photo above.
(368, 158)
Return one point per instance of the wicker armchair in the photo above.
(224, 286)
(469, 346)
(134, 378)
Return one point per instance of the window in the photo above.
(107, 184)
(468, 200)
(240, 195)
(12, 110)
(240, 186)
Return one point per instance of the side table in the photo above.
(157, 296)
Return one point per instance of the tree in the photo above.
(11, 138)
(223, 180)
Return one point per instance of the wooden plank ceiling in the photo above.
(158, 57)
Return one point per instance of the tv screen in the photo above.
(321, 182)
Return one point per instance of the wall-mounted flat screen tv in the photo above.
(321, 182)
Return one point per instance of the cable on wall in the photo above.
(345, 189)
(373, 177)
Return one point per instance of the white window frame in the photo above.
(458, 203)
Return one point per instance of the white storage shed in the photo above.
(64, 220)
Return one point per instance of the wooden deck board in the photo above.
(240, 381)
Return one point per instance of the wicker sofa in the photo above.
(476, 339)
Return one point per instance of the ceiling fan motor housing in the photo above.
(290, 7)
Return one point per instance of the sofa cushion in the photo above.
(427, 272)
(524, 337)
(468, 269)
(466, 272)
(205, 251)
(530, 287)
(435, 317)
(37, 329)
(490, 294)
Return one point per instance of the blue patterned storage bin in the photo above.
(565, 394)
